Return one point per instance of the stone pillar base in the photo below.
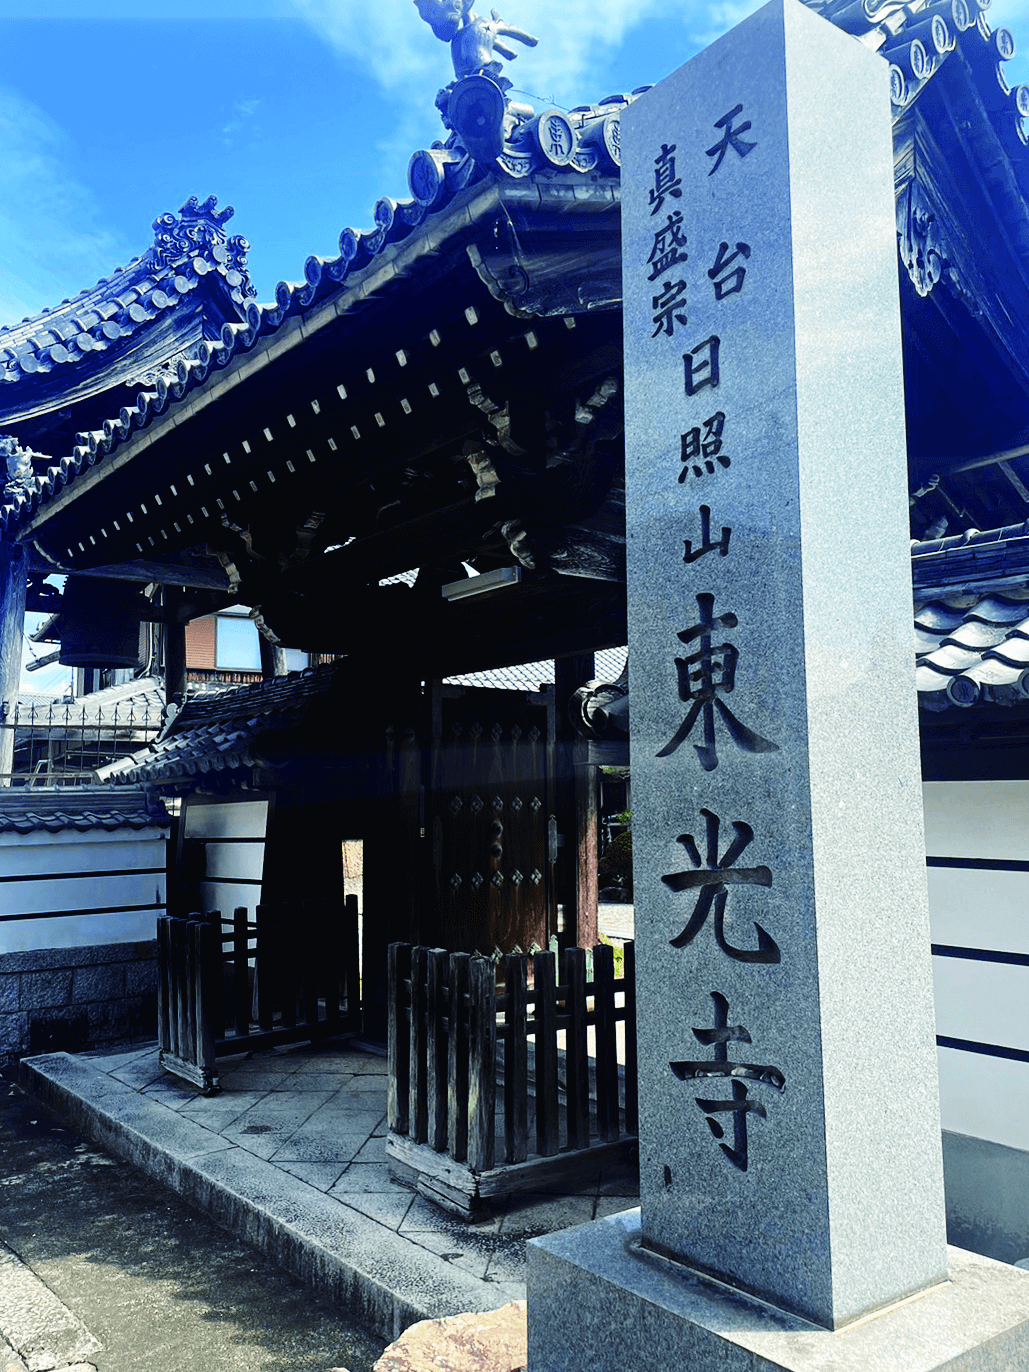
(596, 1301)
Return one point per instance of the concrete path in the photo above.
(102, 1271)
(291, 1156)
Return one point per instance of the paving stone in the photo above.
(614, 1205)
(314, 1081)
(364, 1176)
(238, 1102)
(386, 1209)
(373, 1151)
(321, 1175)
(426, 1217)
(176, 1095)
(533, 1214)
(246, 1079)
(319, 1146)
(301, 1187)
(366, 1083)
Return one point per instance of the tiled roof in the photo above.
(435, 175)
(222, 732)
(960, 561)
(915, 38)
(25, 810)
(973, 649)
(106, 326)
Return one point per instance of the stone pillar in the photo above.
(13, 581)
(790, 1143)
(789, 1106)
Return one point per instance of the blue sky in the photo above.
(299, 113)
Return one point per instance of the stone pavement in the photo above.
(102, 1271)
(290, 1156)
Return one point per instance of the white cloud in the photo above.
(241, 120)
(391, 42)
(53, 239)
(705, 23)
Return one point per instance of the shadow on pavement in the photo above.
(155, 1282)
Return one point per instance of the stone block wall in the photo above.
(72, 999)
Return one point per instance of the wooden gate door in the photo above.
(490, 808)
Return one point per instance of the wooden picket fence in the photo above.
(492, 1092)
(227, 985)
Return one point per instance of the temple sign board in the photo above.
(791, 1188)
(780, 886)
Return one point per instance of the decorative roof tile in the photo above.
(187, 247)
(981, 658)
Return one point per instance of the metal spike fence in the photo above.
(63, 743)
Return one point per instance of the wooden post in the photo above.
(572, 893)
(398, 1050)
(516, 1065)
(586, 848)
(577, 1089)
(174, 646)
(273, 658)
(457, 1067)
(351, 963)
(392, 837)
(267, 964)
(240, 969)
(545, 1016)
(482, 1104)
(13, 580)
(419, 1114)
(163, 982)
(632, 1112)
(607, 1047)
(208, 963)
(436, 1048)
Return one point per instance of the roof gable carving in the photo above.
(135, 320)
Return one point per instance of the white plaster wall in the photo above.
(233, 834)
(48, 881)
(985, 1002)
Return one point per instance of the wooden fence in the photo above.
(493, 1092)
(231, 985)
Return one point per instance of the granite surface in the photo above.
(290, 1156)
(634, 1311)
(789, 1126)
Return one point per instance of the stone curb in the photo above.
(383, 1282)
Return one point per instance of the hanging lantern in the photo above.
(99, 623)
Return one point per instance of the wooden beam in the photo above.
(192, 575)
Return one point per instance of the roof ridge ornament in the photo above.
(475, 106)
(198, 232)
(19, 475)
